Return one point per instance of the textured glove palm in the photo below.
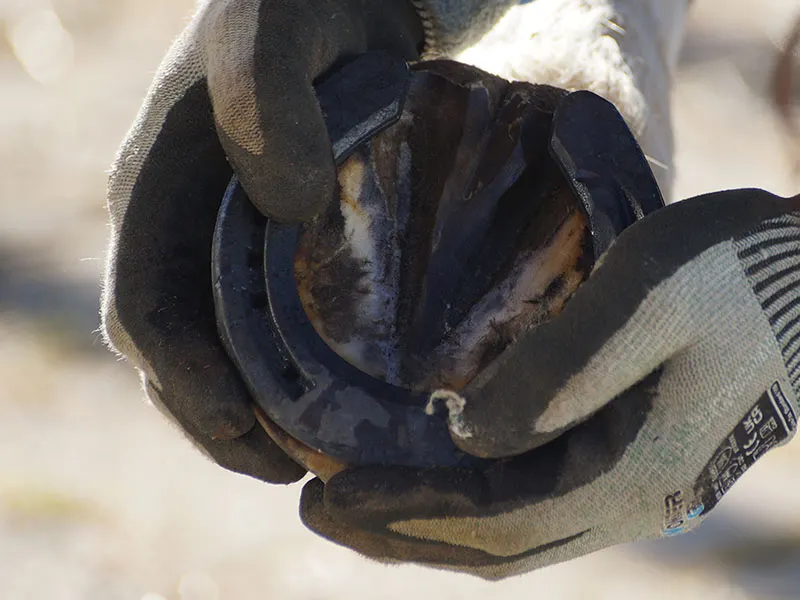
(672, 370)
(236, 86)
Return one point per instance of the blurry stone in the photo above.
(197, 585)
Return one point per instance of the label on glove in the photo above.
(770, 423)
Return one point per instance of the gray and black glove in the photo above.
(674, 368)
(236, 87)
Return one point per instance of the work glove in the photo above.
(235, 91)
(671, 371)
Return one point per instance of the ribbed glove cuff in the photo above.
(770, 255)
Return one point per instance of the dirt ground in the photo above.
(101, 500)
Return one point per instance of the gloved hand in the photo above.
(236, 86)
(670, 372)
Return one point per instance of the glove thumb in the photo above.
(648, 299)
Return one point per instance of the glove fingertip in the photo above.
(256, 455)
(315, 515)
(484, 421)
(377, 495)
(291, 176)
(312, 495)
(245, 450)
(312, 507)
(232, 425)
(292, 193)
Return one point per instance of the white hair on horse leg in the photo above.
(623, 50)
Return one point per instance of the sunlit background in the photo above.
(101, 500)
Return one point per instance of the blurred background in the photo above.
(101, 500)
